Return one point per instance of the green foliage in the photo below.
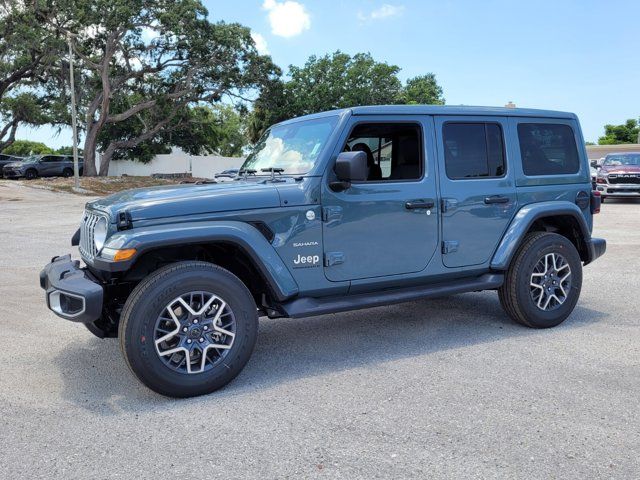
(67, 151)
(423, 89)
(629, 132)
(23, 148)
(337, 81)
(216, 129)
(148, 62)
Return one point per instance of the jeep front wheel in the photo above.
(543, 282)
(188, 329)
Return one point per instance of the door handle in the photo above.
(496, 199)
(415, 204)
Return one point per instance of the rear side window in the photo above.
(548, 149)
(473, 150)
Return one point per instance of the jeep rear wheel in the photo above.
(30, 174)
(543, 283)
(188, 329)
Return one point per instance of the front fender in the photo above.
(244, 235)
(524, 219)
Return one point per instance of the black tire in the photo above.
(149, 299)
(67, 172)
(602, 198)
(516, 293)
(31, 174)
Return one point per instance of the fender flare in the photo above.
(523, 220)
(241, 234)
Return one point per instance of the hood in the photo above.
(14, 164)
(620, 169)
(189, 199)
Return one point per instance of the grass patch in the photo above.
(100, 186)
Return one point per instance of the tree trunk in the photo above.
(12, 136)
(105, 160)
(90, 143)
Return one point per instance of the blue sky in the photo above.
(579, 56)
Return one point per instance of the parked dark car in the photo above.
(42, 166)
(7, 159)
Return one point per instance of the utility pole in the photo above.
(74, 121)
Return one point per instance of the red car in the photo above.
(619, 175)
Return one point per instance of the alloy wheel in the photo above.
(194, 332)
(550, 282)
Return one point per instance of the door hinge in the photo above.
(448, 204)
(333, 258)
(449, 246)
(331, 214)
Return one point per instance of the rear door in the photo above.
(477, 187)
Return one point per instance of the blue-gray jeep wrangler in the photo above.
(331, 212)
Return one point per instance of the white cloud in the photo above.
(261, 43)
(288, 18)
(385, 11)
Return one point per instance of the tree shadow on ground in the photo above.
(96, 377)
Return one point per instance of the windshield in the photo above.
(31, 159)
(618, 160)
(294, 148)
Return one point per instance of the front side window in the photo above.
(473, 150)
(294, 148)
(548, 149)
(393, 150)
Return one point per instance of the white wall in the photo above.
(204, 166)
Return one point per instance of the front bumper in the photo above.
(10, 173)
(71, 292)
(619, 190)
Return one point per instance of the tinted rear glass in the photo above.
(548, 149)
(473, 150)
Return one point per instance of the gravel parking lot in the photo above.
(441, 389)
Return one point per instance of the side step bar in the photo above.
(308, 306)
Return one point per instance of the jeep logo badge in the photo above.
(303, 261)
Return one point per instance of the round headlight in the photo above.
(100, 233)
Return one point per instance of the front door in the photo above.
(477, 187)
(388, 224)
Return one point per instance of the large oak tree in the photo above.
(145, 63)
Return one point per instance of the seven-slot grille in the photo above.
(624, 178)
(87, 227)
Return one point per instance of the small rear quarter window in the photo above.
(548, 149)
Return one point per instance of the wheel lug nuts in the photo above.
(206, 328)
(201, 339)
(195, 321)
(189, 341)
(185, 329)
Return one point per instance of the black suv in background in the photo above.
(7, 159)
(42, 166)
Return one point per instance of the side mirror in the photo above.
(350, 167)
(594, 163)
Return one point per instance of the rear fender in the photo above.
(523, 221)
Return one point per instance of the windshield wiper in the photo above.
(273, 171)
(243, 172)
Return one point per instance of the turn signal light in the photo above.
(122, 255)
